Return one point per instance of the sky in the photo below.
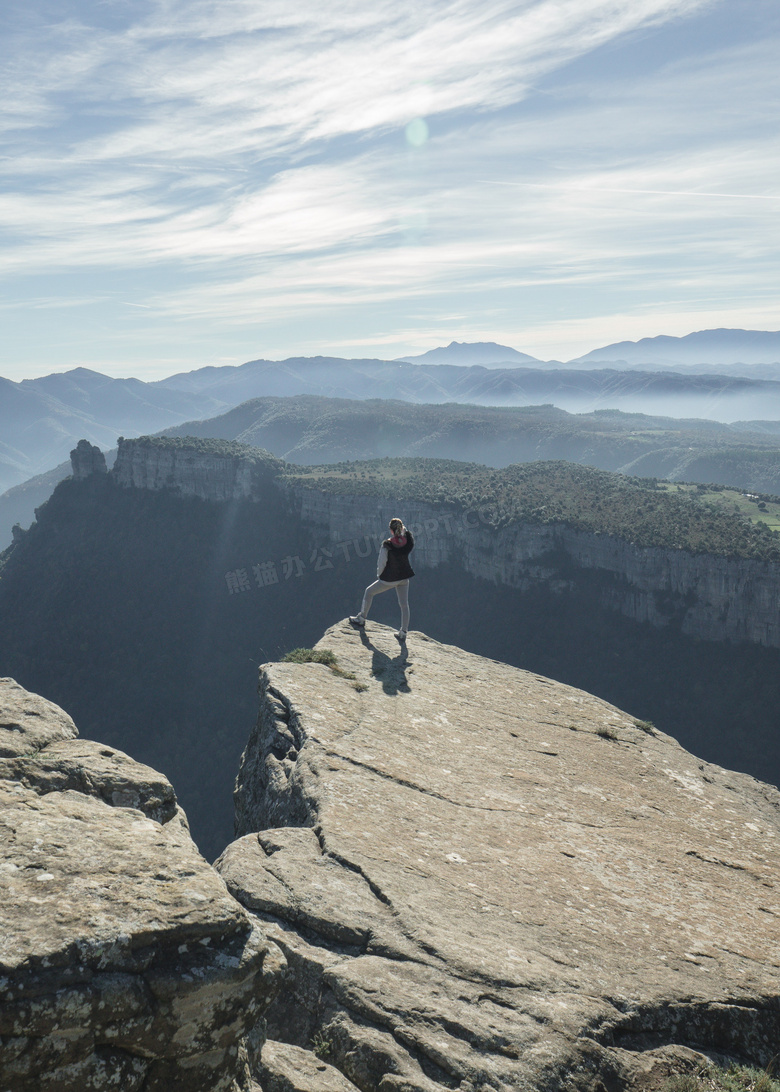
(212, 182)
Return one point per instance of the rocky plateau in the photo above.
(448, 874)
(485, 880)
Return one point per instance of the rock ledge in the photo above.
(124, 962)
(483, 879)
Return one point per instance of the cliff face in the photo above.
(485, 879)
(87, 459)
(124, 962)
(707, 596)
(715, 598)
(217, 476)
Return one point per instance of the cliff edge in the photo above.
(483, 879)
(124, 962)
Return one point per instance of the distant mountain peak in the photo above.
(70, 375)
(472, 352)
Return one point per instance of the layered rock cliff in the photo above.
(482, 879)
(713, 597)
(215, 470)
(124, 962)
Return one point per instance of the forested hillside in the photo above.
(642, 512)
(311, 430)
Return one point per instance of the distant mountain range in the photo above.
(578, 388)
(753, 354)
(740, 352)
(705, 347)
(311, 429)
(42, 419)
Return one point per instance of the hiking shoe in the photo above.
(400, 635)
(357, 620)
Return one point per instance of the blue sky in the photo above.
(211, 182)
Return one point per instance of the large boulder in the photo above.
(124, 962)
(483, 879)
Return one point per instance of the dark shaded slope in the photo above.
(115, 605)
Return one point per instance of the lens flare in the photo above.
(417, 132)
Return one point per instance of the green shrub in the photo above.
(714, 1078)
(321, 1045)
(320, 656)
(310, 656)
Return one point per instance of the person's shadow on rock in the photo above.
(391, 671)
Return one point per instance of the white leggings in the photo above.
(401, 590)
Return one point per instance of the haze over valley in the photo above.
(557, 412)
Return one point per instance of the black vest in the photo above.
(398, 567)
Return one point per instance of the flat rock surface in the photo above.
(292, 1069)
(85, 872)
(124, 961)
(29, 722)
(95, 770)
(501, 881)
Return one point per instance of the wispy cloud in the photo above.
(623, 189)
(244, 165)
(262, 78)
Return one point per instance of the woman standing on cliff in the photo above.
(393, 571)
